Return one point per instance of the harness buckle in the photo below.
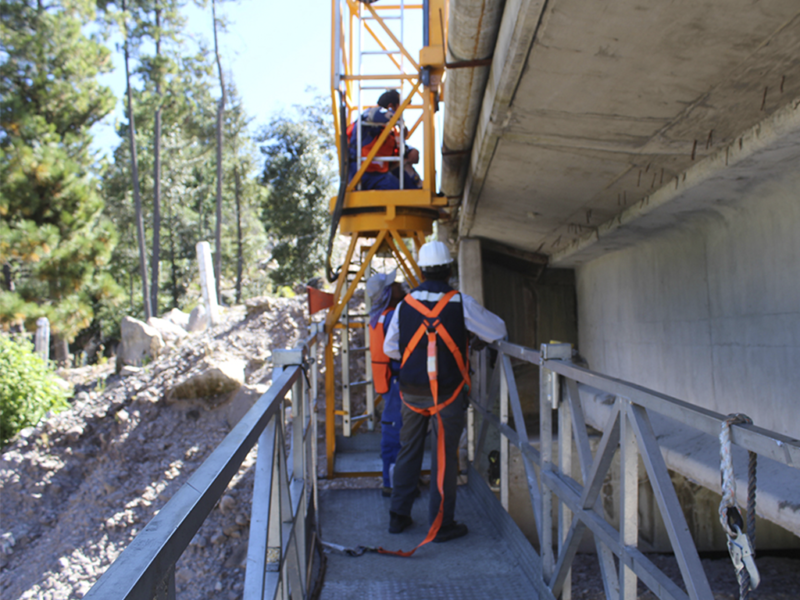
(742, 556)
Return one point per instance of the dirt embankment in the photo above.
(76, 489)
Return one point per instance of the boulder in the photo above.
(258, 305)
(138, 341)
(213, 379)
(178, 317)
(198, 319)
(241, 402)
(170, 332)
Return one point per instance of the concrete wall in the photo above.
(709, 313)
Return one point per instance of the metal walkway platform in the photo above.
(493, 561)
(361, 454)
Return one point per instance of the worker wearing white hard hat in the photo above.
(385, 293)
(429, 335)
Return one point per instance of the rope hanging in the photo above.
(741, 546)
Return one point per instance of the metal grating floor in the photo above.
(483, 564)
(361, 453)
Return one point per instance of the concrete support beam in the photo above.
(520, 23)
(700, 185)
(470, 268)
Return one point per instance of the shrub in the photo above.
(28, 387)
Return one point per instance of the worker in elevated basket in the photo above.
(373, 122)
(385, 293)
(429, 335)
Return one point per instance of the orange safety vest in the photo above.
(433, 327)
(390, 147)
(381, 372)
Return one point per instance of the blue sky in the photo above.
(275, 50)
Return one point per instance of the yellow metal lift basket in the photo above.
(385, 220)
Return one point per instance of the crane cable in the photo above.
(344, 152)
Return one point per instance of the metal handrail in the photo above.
(579, 507)
(770, 444)
(146, 569)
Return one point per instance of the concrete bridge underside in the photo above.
(653, 149)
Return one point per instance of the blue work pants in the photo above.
(391, 422)
(375, 181)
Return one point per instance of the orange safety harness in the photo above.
(390, 147)
(433, 327)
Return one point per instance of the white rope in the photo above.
(726, 470)
(739, 546)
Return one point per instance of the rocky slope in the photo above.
(76, 489)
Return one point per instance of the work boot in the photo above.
(397, 523)
(451, 532)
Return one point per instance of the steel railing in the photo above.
(285, 498)
(550, 483)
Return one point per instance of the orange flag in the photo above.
(318, 300)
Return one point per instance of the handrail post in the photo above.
(298, 422)
(474, 395)
(549, 395)
(629, 498)
(503, 439)
(546, 385)
(565, 467)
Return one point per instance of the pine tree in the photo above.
(300, 173)
(53, 237)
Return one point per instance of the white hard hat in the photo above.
(434, 254)
(379, 281)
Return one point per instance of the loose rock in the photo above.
(170, 332)
(139, 340)
(198, 319)
(213, 379)
(178, 317)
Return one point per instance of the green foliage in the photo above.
(28, 387)
(188, 179)
(53, 237)
(300, 172)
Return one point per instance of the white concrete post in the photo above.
(470, 268)
(470, 281)
(207, 282)
(42, 340)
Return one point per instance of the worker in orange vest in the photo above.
(385, 293)
(429, 335)
(373, 122)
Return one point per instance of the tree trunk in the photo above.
(61, 351)
(174, 268)
(135, 177)
(8, 280)
(156, 175)
(239, 255)
(220, 112)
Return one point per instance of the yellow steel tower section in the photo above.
(368, 56)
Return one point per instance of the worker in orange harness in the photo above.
(373, 122)
(385, 293)
(429, 335)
